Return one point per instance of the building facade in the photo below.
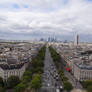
(8, 70)
(82, 72)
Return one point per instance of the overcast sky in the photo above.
(26, 19)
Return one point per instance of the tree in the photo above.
(26, 79)
(20, 87)
(33, 90)
(87, 83)
(68, 86)
(13, 81)
(60, 71)
(64, 78)
(38, 70)
(1, 82)
(28, 73)
(56, 63)
(37, 63)
(89, 88)
(2, 89)
(36, 82)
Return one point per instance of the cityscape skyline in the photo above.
(63, 38)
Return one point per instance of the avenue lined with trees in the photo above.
(31, 79)
(32, 76)
(56, 58)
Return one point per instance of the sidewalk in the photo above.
(74, 82)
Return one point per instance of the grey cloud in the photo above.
(74, 17)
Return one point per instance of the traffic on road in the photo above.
(50, 77)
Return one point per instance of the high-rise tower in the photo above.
(76, 40)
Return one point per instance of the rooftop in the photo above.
(13, 66)
(87, 66)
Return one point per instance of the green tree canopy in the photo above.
(68, 86)
(20, 87)
(2, 89)
(60, 71)
(36, 82)
(89, 88)
(64, 78)
(87, 83)
(26, 79)
(1, 82)
(28, 73)
(13, 81)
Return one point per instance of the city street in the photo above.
(50, 84)
(76, 84)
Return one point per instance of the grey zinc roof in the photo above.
(84, 66)
(9, 67)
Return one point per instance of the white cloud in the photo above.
(53, 16)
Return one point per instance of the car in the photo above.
(52, 67)
(56, 75)
(54, 70)
(57, 78)
(61, 88)
(57, 90)
(48, 84)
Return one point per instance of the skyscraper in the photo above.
(76, 40)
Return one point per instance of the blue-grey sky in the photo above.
(26, 19)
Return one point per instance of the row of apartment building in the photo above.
(80, 64)
(15, 57)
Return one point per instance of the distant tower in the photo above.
(76, 40)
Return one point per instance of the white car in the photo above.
(57, 90)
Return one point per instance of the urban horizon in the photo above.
(57, 38)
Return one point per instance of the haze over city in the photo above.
(45, 45)
(33, 19)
